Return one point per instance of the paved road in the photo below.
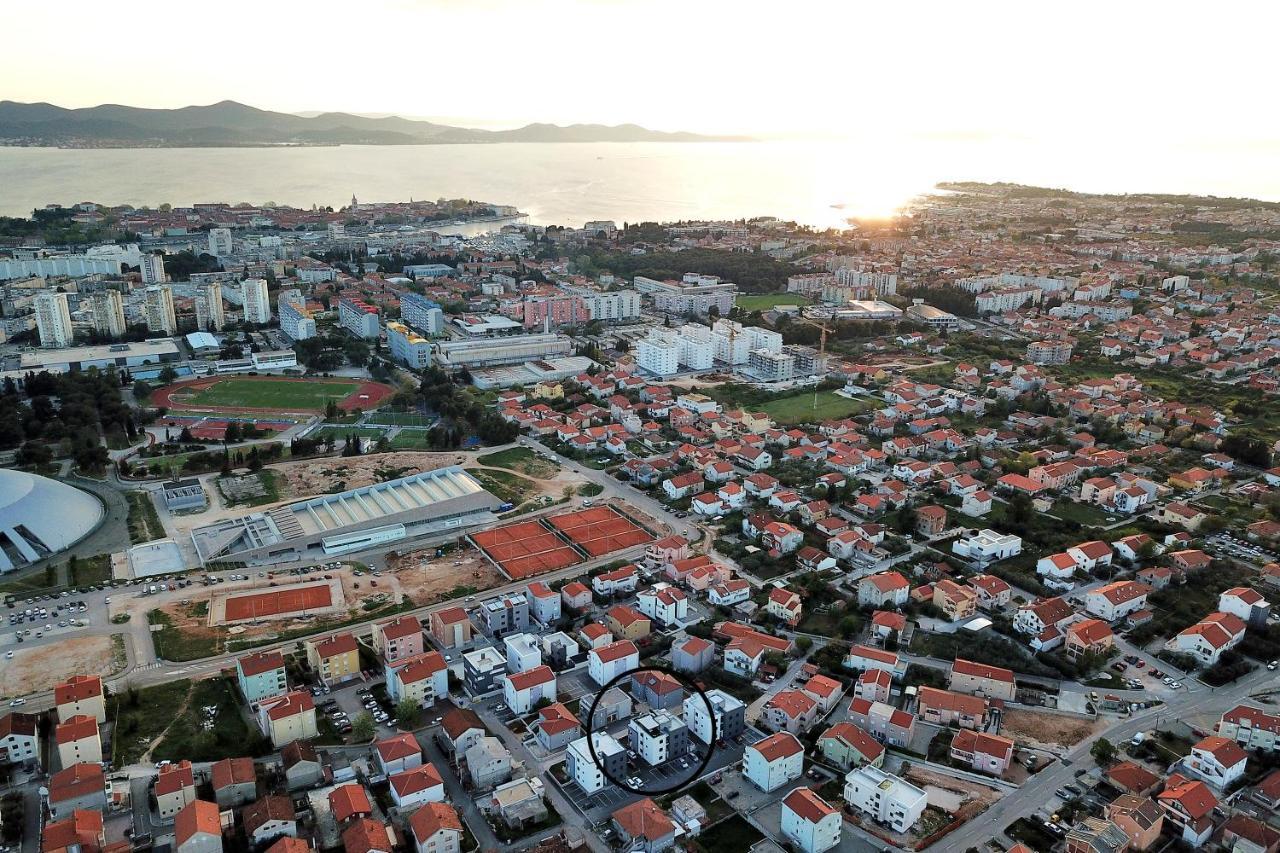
(1037, 792)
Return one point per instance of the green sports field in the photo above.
(765, 301)
(258, 392)
(800, 409)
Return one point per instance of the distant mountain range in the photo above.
(229, 124)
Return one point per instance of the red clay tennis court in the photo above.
(510, 533)
(599, 530)
(263, 604)
(530, 548)
(526, 548)
(536, 564)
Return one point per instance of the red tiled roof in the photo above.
(398, 747)
(808, 805)
(197, 816)
(260, 662)
(432, 818)
(780, 745)
(77, 688)
(347, 801)
(232, 771)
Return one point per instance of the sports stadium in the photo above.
(40, 517)
(423, 504)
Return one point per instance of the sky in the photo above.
(1126, 70)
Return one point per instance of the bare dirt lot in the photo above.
(426, 578)
(318, 476)
(38, 668)
(962, 791)
(1046, 730)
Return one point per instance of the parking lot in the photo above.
(598, 806)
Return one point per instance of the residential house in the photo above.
(785, 605)
(983, 752)
(847, 746)
(268, 819)
(1116, 600)
(399, 638)
(884, 798)
(886, 589)
(1188, 805)
(415, 786)
(261, 675)
(80, 786)
(1209, 638)
(980, 679)
(773, 762)
(1089, 637)
(287, 718)
(198, 828)
(436, 829)
(235, 781)
(523, 690)
(810, 823)
(643, 827)
(956, 601)
(175, 789)
(451, 627)
(78, 740)
(335, 659)
(81, 694)
(398, 752)
(944, 708)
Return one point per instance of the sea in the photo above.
(819, 184)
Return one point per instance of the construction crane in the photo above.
(823, 329)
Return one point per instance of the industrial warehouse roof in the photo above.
(39, 517)
(374, 503)
(441, 494)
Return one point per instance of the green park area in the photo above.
(800, 408)
(261, 392)
(520, 459)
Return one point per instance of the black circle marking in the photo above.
(689, 685)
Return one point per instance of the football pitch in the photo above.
(267, 393)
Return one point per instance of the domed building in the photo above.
(40, 517)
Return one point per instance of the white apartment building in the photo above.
(987, 546)
(158, 309)
(53, 321)
(884, 798)
(257, 305)
(809, 822)
(697, 346)
(734, 342)
(219, 241)
(585, 770)
(771, 366)
(615, 306)
(210, 316)
(523, 652)
(152, 267)
(295, 319)
(774, 761)
(659, 353)
(707, 727)
(107, 307)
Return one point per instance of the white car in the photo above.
(1168, 680)
(16, 702)
(1176, 685)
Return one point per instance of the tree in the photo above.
(804, 644)
(362, 727)
(1103, 751)
(407, 712)
(167, 375)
